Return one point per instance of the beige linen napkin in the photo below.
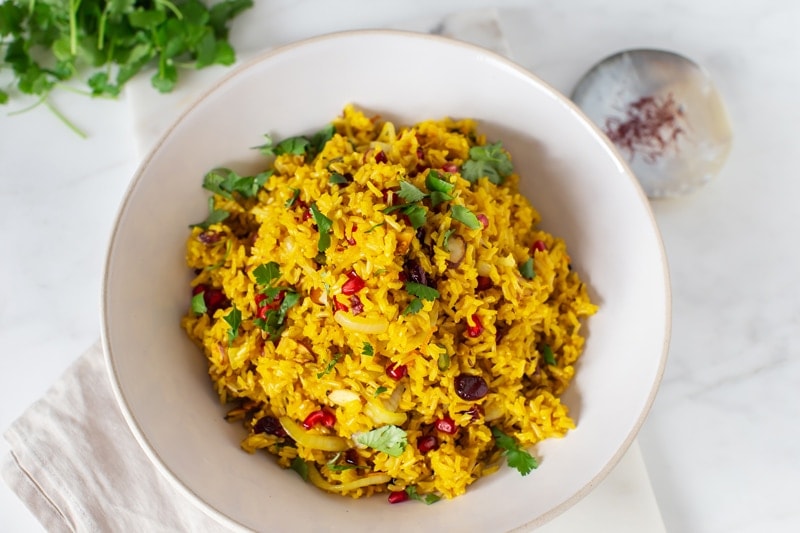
(76, 465)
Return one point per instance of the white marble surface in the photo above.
(719, 441)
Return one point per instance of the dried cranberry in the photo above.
(538, 246)
(483, 219)
(420, 153)
(215, 299)
(209, 237)
(396, 372)
(475, 412)
(380, 157)
(355, 305)
(414, 272)
(477, 329)
(446, 425)
(198, 289)
(321, 416)
(471, 388)
(427, 443)
(351, 457)
(397, 496)
(484, 282)
(270, 426)
(451, 168)
(353, 284)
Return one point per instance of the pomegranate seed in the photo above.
(215, 299)
(446, 425)
(398, 496)
(270, 426)
(420, 153)
(452, 168)
(380, 157)
(396, 372)
(428, 443)
(352, 240)
(538, 246)
(477, 329)
(321, 416)
(471, 388)
(483, 219)
(356, 305)
(307, 214)
(339, 306)
(353, 285)
(484, 282)
(260, 297)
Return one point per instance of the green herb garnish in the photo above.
(516, 457)
(225, 182)
(420, 292)
(298, 145)
(329, 367)
(301, 467)
(324, 225)
(337, 179)
(295, 195)
(526, 269)
(443, 362)
(379, 391)
(374, 227)
(215, 216)
(427, 499)
(446, 237)
(490, 161)
(390, 440)
(410, 193)
(199, 303)
(547, 353)
(465, 216)
(234, 319)
(367, 350)
(267, 273)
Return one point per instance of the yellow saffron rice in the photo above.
(309, 307)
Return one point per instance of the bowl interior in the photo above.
(571, 174)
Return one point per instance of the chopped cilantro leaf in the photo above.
(547, 353)
(410, 193)
(214, 217)
(320, 139)
(435, 183)
(337, 179)
(234, 319)
(526, 269)
(267, 273)
(292, 145)
(324, 225)
(446, 237)
(413, 307)
(329, 366)
(489, 161)
(416, 214)
(516, 457)
(427, 499)
(465, 216)
(301, 467)
(438, 197)
(390, 440)
(421, 291)
(368, 350)
(295, 195)
(379, 391)
(199, 303)
(225, 182)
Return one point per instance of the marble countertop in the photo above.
(718, 443)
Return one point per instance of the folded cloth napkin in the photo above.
(76, 465)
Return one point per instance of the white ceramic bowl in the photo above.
(575, 178)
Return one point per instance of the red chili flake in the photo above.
(446, 425)
(353, 285)
(356, 305)
(380, 157)
(483, 219)
(451, 168)
(538, 246)
(321, 416)
(484, 282)
(397, 496)
(427, 443)
(477, 329)
(339, 306)
(396, 372)
(651, 126)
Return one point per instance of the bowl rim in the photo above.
(130, 418)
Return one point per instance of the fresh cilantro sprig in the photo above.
(301, 467)
(465, 216)
(225, 182)
(420, 292)
(389, 439)
(526, 269)
(298, 145)
(329, 367)
(367, 350)
(490, 161)
(324, 225)
(106, 43)
(234, 320)
(275, 319)
(439, 189)
(215, 216)
(427, 499)
(516, 456)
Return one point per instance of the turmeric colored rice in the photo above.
(380, 311)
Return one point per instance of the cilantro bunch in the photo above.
(44, 43)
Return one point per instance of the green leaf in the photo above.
(368, 350)
(416, 214)
(490, 161)
(410, 193)
(146, 19)
(379, 391)
(292, 145)
(413, 307)
(225, 182)
(435, 183)
(421, 291)
(516, 457)
(439, 198)
(215, 216)
(290, 202)
(301, 467)
(100, 85)
(320, 139)
(267, 273)
(324, 225)
(234, 319)
(329, 368)
(337, 179)
(3, 97)
(199, 303)
(165, 79)
(526, 269)
(547, 353)
(390, 440)
(446, 237)
(11, 19)
(222, 12)
(465, 216)
(428, 499)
